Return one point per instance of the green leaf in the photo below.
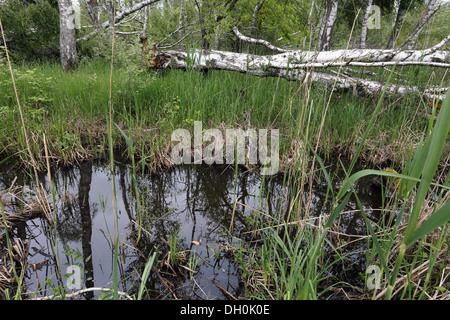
(437, 219)
(145, 274)
(363, 173)
(336, 211)
(437, 140)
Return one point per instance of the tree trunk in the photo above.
(430, 56)
(67, 37)
(144, 28)
(144, 40)
(364, 23)
(328, 23)
(181, 17)
(255, 16)
(276, 66)
(92, 9)
(110, 11)
(431, 9)
(397, 26)
(84, 187)
(201, 20)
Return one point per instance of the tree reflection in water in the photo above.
(196, 200)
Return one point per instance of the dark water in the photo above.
(195, 202)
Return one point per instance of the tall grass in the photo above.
(73, 117)
(70, 110)
(291, 262)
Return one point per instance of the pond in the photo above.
(199, 204)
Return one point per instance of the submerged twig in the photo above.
(74, 294)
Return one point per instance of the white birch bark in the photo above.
(257, 41)
(255, 15)
(364, 23)
(276, 66)
(92, 9)
(180, 18)
(370, 56)
(67, 38)
(328, 23)
(144, 28)
(110, 11)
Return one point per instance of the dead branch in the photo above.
(432, 54)
(119, 17)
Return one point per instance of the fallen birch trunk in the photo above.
(430, 55)
(268, 66)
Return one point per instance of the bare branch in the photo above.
(292, 35)
(257, 41)
(126, 32)
(431, 55)
(119, 17)
(175, 31)
(437, 47)
(178, 42)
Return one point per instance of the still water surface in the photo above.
(198, 203)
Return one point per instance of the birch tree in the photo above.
(298, 70)
(431, 9)
(94, 11)
(119, 17)
(367, 12)
(401, 11)
(67, 37)
(181, 18)
(255, 15)
(109, 4)
(328, 24)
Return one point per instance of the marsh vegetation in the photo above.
(358, 210)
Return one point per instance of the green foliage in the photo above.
(32, 29)
(33, 86)
(127, 51)
(145, 275)
(175, 255)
